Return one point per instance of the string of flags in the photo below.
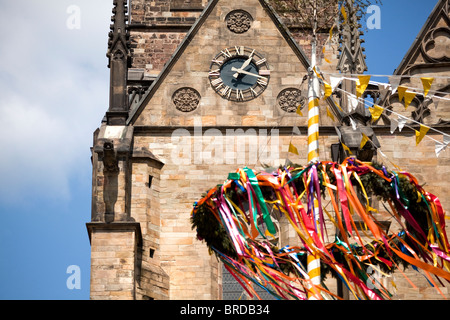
(405, 94)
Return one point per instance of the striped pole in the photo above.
(313, 262)
(313, 110)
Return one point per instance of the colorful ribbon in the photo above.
(233, 219)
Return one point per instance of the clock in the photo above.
(239, 74)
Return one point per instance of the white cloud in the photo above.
(54, 92)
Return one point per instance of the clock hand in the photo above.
(244, 65)
(246, 72)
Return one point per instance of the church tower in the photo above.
(198, 89)
(178, 120)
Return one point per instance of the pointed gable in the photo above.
(186, 77)
(430, 51)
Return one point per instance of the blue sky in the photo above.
(54, 93)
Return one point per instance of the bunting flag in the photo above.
(426, 82)
(401, 92)
(394, 81)
(296, 131)
(353, 124)
(328, 90)
(361, 85)
(335, 82)
(409, 97)
(353, 102)
(364, 140)
(401, 123)
(232, 219)
(344, 14)
(330, 114)
(346, 148)
(376, 112)
(394, 125)
(421, 133)
(299, 110)
(293, 149)
(440, 147)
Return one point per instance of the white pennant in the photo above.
(439, 148)
(352, 102)
(296, 131)
(395, 82)
(338, 133)
(401, 123)
(383, 88)
(442, 146)
(334, 82)
(353, 124)
(394, 125)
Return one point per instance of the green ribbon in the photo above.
(262, 203)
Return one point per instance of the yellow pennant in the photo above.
(328, 90)
(293, 149)
(344, 13)
(421, 133)
(401, 92)
(376, 112)
(346, 148)
(364, 140)
(361, 85)
(409, 96)
(427, 82)
(299, 110)
(330, 114)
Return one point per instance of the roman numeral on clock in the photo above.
(217, 82)
(260, 62)
(226, 91)
(226, 53)
(214, 73)
(239, 95)
(262, 81)
(239, 50)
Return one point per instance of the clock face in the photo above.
(239, 74)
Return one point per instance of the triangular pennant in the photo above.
(338, 132)
(409, 97)
(335, 81)
(394, 81)
(344, 14)
(346, 148)
(394, 125)
(296, 131)
(299, 110)
(293, 149)
(353, 123)
(401, 93)
(376, 112)
(383, 88)
(329, 114)
(328, 90)
(439, 148)
(364, 140)
(421, 133)
(401, 123)
(352, 103)
(426, 82)
(361, 85)
(446, 139)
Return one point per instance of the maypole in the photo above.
(313, 261)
